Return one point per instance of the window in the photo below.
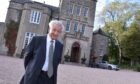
(68, 26)
(85, 11)
(70, 8)
(35, 17)
(18, 16)
(83, 28)
(78, 9)
(76, 26)
(28, 37)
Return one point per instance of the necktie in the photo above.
(50, 65)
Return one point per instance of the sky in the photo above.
(100, 4)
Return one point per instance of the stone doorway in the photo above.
(75, 52)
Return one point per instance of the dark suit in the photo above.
(35, 58)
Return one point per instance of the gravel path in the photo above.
(11, 71)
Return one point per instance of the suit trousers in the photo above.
(44, 79)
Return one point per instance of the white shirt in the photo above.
(48, 43)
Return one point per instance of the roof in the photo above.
(20, 1)
(100, 31)
(2, 23)
(53, 8)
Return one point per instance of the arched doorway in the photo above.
(75, 52)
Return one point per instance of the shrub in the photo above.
(138, 68)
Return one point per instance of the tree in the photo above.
(137, 18)
(113, 50)
(131, 38)
(117, 17)
(10, 36)
(131, 43)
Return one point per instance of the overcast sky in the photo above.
(100, 4)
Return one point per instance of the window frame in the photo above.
(70, 8)
(78, 13)
(35, 17)
(83, 30)
(69, 25)
(28, 37)
(76, 27)
(85, 14)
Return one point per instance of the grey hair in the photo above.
(56, 22)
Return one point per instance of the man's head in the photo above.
(55, 29)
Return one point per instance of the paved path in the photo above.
(11, 70)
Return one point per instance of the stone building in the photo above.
(76, 15)
(2, 29)
(2, 41)
(99, 45)
(78, 18)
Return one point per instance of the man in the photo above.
(42, 57)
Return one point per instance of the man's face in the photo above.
(55, 31)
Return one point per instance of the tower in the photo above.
(78, 19)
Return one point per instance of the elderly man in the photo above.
(42, 57)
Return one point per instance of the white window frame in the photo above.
(35, 17)
(69, 25)
(77, 10)
(86, 12)
(71, 10)
(77, 26)
(82, 28)
(28, 37)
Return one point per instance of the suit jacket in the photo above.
(35, 58)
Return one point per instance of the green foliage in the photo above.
(137, 15)
(117, 16)
(105, 58)
(137, 68)
(10, 36)
(125, 66)
(130, 42)
(113, 54)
